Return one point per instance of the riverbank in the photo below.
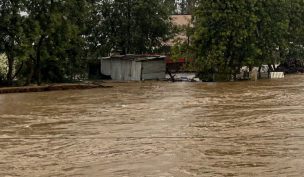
(53, 87)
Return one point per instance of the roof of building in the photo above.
(135, 57)
(181, 20)
(180, 60)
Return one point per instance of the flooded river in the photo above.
(156, 129)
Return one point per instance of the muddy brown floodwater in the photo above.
(156, 129)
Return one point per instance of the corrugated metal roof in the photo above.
(135, 57)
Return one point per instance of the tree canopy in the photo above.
(52, 41)
(232, 34)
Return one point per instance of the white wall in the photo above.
(277, 75)
(120, 69)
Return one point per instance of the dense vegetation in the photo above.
(231, 34)
(181, 7)
(54, 40)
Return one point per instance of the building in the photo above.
(134, 67)
(181, 22)
(259, 73)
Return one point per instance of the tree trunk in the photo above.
(128, 28)
(31, 67)
(10, 70)
(270, 69)
(260, 74)
(170, 74)
(38, 67)
(19, 70)
(38, 60)
(274, 67)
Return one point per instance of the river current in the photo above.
(156, 129)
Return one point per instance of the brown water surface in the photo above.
(156, 129)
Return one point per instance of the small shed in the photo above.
(134, 67)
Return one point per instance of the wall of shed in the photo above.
(153, 70)
(106, 67)
(136, 71)
(125, 69)
(120, 69)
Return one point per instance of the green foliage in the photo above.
(231, 34)
(130, 26)
(224, 34)
(181, 7)
(56, 37)
(187, 6)
(11, 33)
(172, 6)
(52, 40)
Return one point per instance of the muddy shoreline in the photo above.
(53, 87)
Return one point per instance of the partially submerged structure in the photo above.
(134, 67)
(259, 73)
(178, 68)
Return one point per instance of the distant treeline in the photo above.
(230, 34)
(54, 40)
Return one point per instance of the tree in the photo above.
(135, 26)
(54, 38)
(187, 7)
(224, 35)
(272, 30)
(97, 36)
(172, 6)
(50, 40)
(11, 31)
(295, 48)
(232, 34)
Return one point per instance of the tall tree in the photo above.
(55, 35)
(11, 33)
(295, 49)
(172, 6)
(224, 34)
(232, 34)
(133, 26)
(272, 30)
(187, 7)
